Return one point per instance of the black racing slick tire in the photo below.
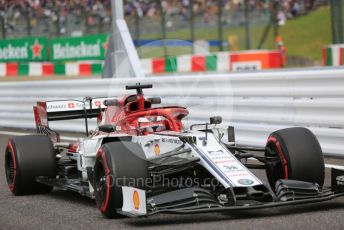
(117, 164)
(299, 156)
(26, 158)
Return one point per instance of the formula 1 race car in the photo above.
(141, 160)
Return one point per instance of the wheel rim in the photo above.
(100, 185)
(10, 168)
(275, 170)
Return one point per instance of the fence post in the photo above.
(220, 24)
(100, 25)
(85, 15)
(137, 33)
(163, 27)
(333, 25)
(247, 25)
(3, 30)
(265, 34)
(192, 25)
(28, 23)
(275, 8)
(336, 21)
(58, 27)
(340, 21)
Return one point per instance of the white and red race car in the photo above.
(141, 160)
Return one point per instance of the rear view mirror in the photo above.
(113, 102)
(154, 100)
(215, 120)
(106, 128)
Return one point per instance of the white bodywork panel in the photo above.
(217, 159)
(88, 149)
(134, 201)
(214, 157)
(164, 142)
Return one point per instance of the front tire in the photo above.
(26, 158)
(299, 156)
(117, 164)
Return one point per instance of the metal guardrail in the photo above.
(255, 103)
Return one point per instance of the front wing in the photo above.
(137, 203)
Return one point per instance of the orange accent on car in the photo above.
(136, 200)
(157, 150)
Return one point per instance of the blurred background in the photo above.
(201, 42)
(305, 26)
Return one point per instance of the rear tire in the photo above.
(115, 161)
(300, 156)
(26, 158)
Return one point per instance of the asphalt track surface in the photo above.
(68, 210)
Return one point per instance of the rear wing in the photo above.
(65, 110)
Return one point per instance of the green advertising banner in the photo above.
(26, 49)
(90, 47)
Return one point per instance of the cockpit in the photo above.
(135, 112)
